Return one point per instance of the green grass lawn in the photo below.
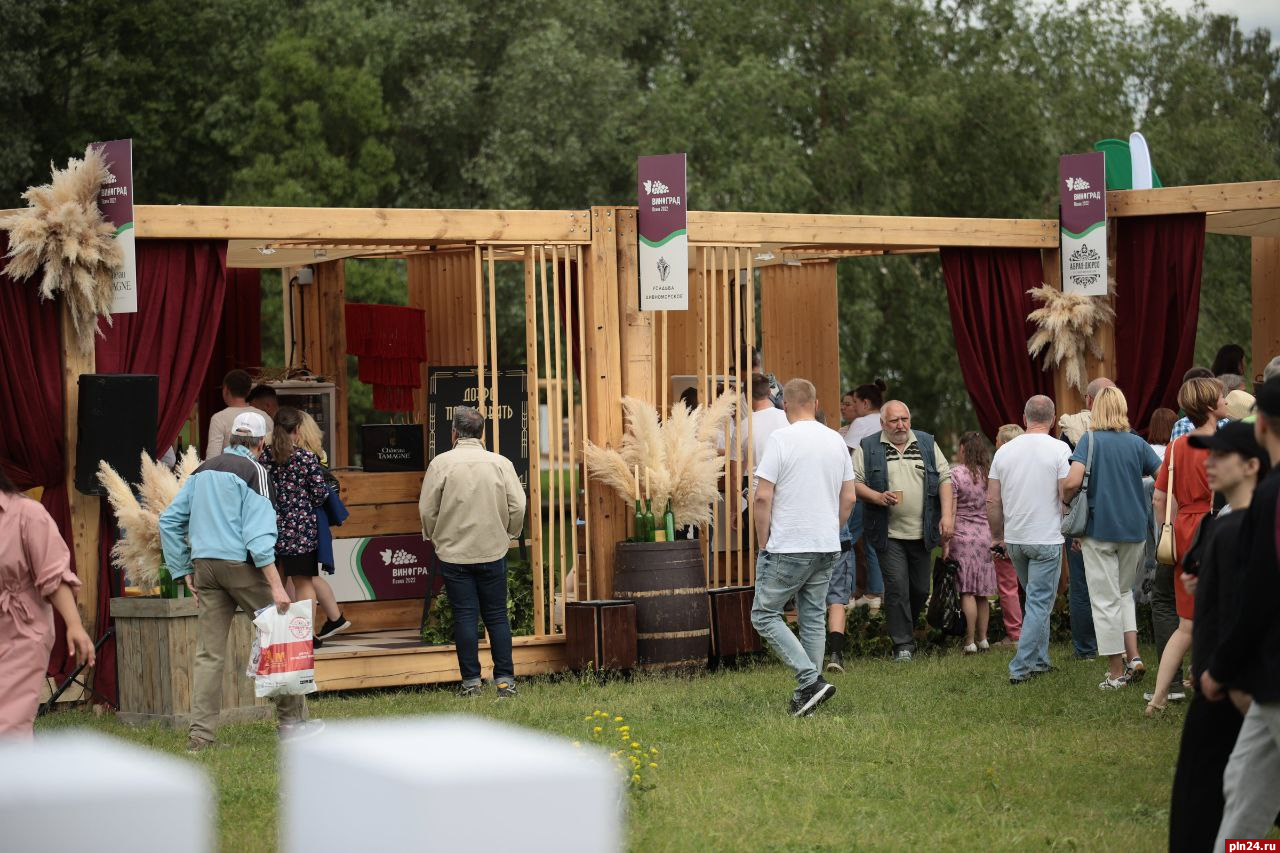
(943, 752)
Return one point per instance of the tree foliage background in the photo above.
(946, 107)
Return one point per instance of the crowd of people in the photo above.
(1184, 517)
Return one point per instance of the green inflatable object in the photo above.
(1120, 164)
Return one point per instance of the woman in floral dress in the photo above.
(300, 487)
(971, 544)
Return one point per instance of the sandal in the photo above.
(1152, 709)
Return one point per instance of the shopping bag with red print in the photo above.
(282, 661)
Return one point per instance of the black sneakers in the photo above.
(469, 690)
(809, 698)
(835, 662)
(506, 690)
(333, 626)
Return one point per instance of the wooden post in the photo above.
(1266, 302)
(85, 509)
(535, 451)
(638, 350)
(330, 291)
(603, 379)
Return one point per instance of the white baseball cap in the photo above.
(250, 424)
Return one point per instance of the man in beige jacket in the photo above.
(472, 506)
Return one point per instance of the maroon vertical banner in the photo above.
(1082, 182)
(115, 200)
(664, 235)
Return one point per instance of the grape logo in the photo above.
(1075, 184)
(656, 187)
(397, 557)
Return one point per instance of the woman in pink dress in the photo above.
(35, 579)
(971, 544)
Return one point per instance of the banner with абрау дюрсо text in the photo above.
(1083, 223)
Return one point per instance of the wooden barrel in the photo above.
(668, 583)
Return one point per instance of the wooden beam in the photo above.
(1245, 223)
(85, 509)
(1266, 302)
(603, 382)
(359, 224)
(330, 296)
(882, 232)
(1206, 198)
(360, 487)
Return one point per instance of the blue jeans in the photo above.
(875, 580)
(806, 576)
(480, 590)
(1083, 639)
(1038, 567)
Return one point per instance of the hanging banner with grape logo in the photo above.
(1082, 219)
(664, 238)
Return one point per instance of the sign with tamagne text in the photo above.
(115, 200)
(1082, 182)
(664, 236)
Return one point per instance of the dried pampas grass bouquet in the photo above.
(679, 455)
(138, 552)
(1066, 330)
(63, 232)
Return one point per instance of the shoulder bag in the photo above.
(1166, 551)
(1076, 518)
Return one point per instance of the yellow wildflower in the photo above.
(617, 719)
(597, 730)
(587, 719)
(635, 778)
(654, 750)
(654, 766)
(635, 745)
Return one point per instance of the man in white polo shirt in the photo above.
(803, 494)
(1024, 508)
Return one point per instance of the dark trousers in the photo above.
(1164, 613)
(908, 572)
(476, 591)
(1083, 640)
(1208, 736)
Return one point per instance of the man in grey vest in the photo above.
(905, 482)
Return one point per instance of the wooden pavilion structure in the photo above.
(588, 259)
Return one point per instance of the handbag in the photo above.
(944, 611)
(1076, 518)
(1166, 551)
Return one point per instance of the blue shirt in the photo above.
(1117, 498)
(1184, 426)
(222, 512)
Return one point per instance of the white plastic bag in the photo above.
(282, 661)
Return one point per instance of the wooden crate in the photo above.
(732, 633)
(156, 642)
(601, 634)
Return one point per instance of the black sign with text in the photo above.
(392, 447)
(456, 386)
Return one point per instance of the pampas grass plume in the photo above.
(138, 551)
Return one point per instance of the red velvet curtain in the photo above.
(181, 284)
(238, 344)
(987, 293)
(1158, 266)
(32, 449)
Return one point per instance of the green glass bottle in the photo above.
(669, 522)
(648, 522)
(640, 535)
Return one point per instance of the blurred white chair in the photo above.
(446, 784)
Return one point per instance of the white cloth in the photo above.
(1029, 468)
(861, 428)
(765, 423)
(808, 464)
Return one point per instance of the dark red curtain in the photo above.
(181, 284)
(987, 293)
(32, 449)
(1158, 265)
(238, 344)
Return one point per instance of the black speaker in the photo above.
(118, 413)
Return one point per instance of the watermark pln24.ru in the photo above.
(1247, 845)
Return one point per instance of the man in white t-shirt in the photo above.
(1024, 508)
(803, 495)
(766, 418)
(236, 386)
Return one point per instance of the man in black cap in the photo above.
(1247, 660)
(1212, 571)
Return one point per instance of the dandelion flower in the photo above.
(636, 778)
(587, 719)
(635, 745)
(617, 719)
(654, 766)
(597, 730)
(654, 750)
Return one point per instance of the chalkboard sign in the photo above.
(456, 386)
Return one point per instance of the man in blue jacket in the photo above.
(219, 538)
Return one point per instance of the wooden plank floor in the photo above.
(398, 658)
